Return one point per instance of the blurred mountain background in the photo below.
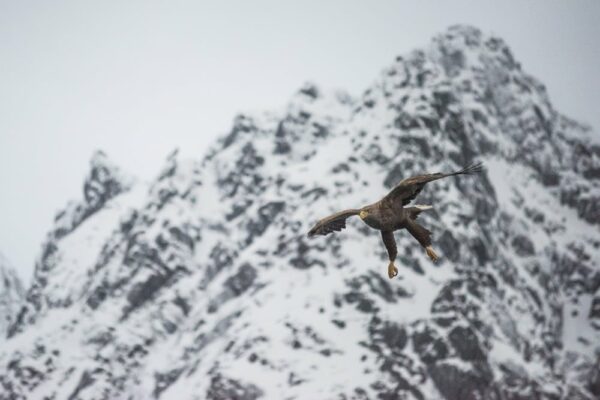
(201, 284)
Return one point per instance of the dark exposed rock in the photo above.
(480, 250)
(234, 286)
(452, 61)
(12, 296)
(390, 335)
(457, 384)
(450, 298)
(522, 245)
(282, 147)
(466, 343)
(549, 177)
(420, 145)
(320, 131)
(536, 215)
(222, 388)
(373, 283)
(455, 128)
(245, 167)
(143, 291)
(340, 324)
(221, 256)
(429, 345)
(98, 295)
(586, 206)
(162, 381)
(281, 131)
(303, 258)
(242, 280)
(449, 245)
(314, 193)
(102, 184)
(374, 154)
(363, 303)
(241, 125)
(592, 173)
(442, 101)
(593, 381)
(85, 381)
(182, 304)
(266, 215)
(182, 236)
(310, 90)
(595, 308)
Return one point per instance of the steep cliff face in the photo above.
(11, 296)
(204, 285)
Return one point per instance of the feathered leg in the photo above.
(423, 236)
(390, 245)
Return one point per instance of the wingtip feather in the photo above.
(474, 168)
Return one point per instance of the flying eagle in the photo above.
(390, 214)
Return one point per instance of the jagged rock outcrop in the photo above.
(204, 285)
(11, 295)
(58, 263)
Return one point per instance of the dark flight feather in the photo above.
(333, 223)
(408, 189)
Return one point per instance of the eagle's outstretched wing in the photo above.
(335, 222)
(409, 188)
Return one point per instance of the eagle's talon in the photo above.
(434, 257)
(392, 270)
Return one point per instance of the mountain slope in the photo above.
(11, 295)
(204, 285)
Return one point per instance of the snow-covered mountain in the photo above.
(203, 285)
(11, 296)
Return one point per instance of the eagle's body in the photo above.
(390, 214)
(385, 216)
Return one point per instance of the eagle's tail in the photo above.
(422, 207)
(417, 209)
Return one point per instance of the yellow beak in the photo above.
(363, 214)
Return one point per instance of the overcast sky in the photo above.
(138, 79)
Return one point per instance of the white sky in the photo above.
(138, 79)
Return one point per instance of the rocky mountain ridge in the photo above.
(11, 295)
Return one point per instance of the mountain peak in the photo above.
(473, 38)
(104, 181)
(310, 90)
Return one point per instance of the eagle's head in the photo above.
(363, 214)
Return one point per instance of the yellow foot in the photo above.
(392, 270)
(434, 257)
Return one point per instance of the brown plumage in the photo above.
(389, 214)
